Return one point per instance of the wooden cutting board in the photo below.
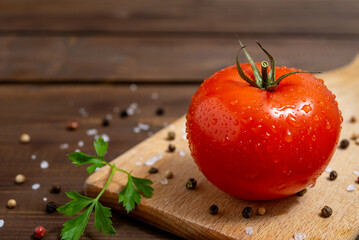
(185, 213)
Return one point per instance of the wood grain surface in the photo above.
(276, 16)
(185, 213)
(155, 59)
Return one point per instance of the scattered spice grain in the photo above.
(247, 212)
(25, 138)
(213, 209)
(39, 232)
(72, 125)
(344, 144)
(105, 122)
(191, 184)
(333, 175)
(353, 119)
(302, 192)
(56, 188)
(171, 135)
(51, 207)
(171, 148)
(261, 211)
(11, 203)
(160, 111)
(20, 179)
(168, 174)
(153, 170)
(326, 211)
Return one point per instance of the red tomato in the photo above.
(256, 144)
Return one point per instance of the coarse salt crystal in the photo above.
(109, 116)
(97, 169)
(184, 136)
(154, 95)
(249, 230)
(64, 146)
(33, 156)
(164, 124)
(143, 126)
(130, 111)
(138, 163)
(351, 187)
(356, 172)
(1, 223)
(81, 143)
(172, 127)
(44, 199)
(299, 236)
(83, 112)
(133, 105)
(91, 132)
(35, 186)
(164, 181)
(105, 137)
(77, 150)
(153, 160)
(136, 130)
(44, 164)
(182, 153)
(328, 169)
(133, 87)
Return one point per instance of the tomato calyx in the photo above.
(262, 79)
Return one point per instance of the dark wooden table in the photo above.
(57, 57)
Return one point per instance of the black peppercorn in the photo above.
(247, 212)
(213, 210)
(105, 122)
(159, 111)
(333, 175)
(153, 170)
(344, 144)
(51, 207)
(326, 212)
(191, 184)
(171, 135)
(302, 192)
(171, 148)
(56, 188)
(124, 113)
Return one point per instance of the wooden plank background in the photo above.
(59, 56)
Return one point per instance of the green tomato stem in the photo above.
(264, 67)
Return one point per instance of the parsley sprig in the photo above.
(129, 196)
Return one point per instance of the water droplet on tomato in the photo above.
(291, 120)
(314, 138)
(233, 102)
(273, 128)
(307, 108)
(328, 125)
(288, 136)
(316, 118)
(267, 116)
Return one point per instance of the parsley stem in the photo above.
(114, 167)
(107, 183)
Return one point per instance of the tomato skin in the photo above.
(260, 145)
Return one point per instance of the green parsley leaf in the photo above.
(74, 228)
(77, 204)
(102, 219)
(80, 158)
(142, 185)
(100, 147)
(129, 195)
